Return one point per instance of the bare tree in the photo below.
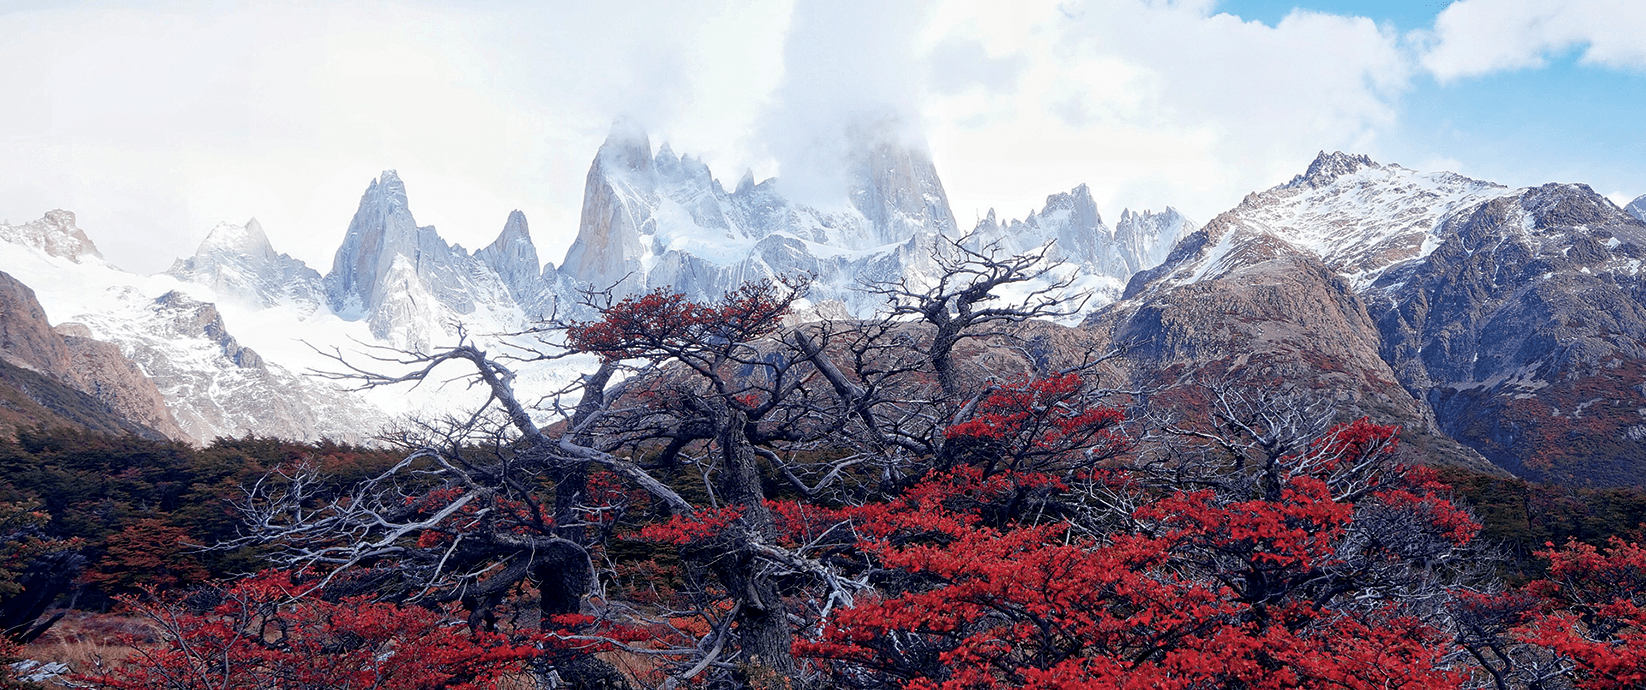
(719, 396)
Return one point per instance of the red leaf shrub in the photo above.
(265, 633)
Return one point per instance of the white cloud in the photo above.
(849, 72)
(1475, 37)
(1156, 103)
(156, 122)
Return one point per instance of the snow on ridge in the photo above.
(1361, 218)
(55, 234)
(213, 373)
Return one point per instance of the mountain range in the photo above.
(1501, 327)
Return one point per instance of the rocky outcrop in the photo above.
(69, 356)
(26, 337)
(1270, 318)
(514, 258)
(55, 234)
(217, 387)
(407, 283)
(1526, 331)
(104, 373)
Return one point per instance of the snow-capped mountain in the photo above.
(1082, 240)
(1637, 208)
(654, 220)
(239, 263)
(1358, 217)
(223, 332)
(212, 384)
(55, 235)
(1511, 319)
(659, 220)
(412, 288)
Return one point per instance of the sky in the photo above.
(155, 120)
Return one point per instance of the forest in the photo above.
(728, 498)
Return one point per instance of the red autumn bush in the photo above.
(1200, 591)
(267, 633)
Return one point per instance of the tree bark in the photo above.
(762, 620)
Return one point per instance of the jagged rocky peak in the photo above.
(1078, 203)
(627, 147)
(409, 285)
(615, 205)
(1637, 208)
(1071, 220)
(1146, 239)
(896, 187)
(381, 225)
(513, 256)
(1141, 240)
(55, 234)
(1330, 166)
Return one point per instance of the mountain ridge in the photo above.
(1356, 284)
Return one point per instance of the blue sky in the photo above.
(1565, 121)
(1406, 15)
(154, 120)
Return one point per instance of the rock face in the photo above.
(1526, 331)
(1082, 239)
(1274, 318)
(1144, 240)
(106, 374)
(1512, 320)
(69, 356)
(55, 234)
(238, 262)
(409, 285)
(26, 337)
(1637, 208)
(514, 258)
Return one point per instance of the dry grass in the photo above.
(85, 641)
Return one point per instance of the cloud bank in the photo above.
(154, 121)
(1476, 37)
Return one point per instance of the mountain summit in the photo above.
(239, 262)
(660, 219)
(411, 287)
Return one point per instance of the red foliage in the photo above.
(665, 323)
(148, 553)
(1039, 423)
(1201, 592)
(700, 526)
(1597, 615)
(264, 634)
